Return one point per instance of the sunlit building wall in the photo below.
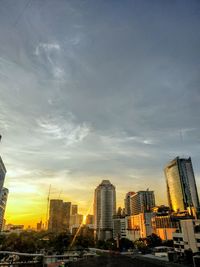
(104, 210)
(139, 226)
(181, 186)
(164, 226)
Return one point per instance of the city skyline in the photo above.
(92, 91)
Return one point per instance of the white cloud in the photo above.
(50, 50)
(46, 47)
(67, 130)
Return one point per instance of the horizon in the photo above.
(92, 91)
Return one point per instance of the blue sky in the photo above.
(96, 89)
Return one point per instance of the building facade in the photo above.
(74, 209)
(127, 203)
(2, 173)
(119, 227)
(3, 192)
(181, 186)
(3, 201)
(56, 215)
(187, 237)
(66, 214)
(104, 210)
(142, 201)
(139, 226)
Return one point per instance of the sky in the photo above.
(93, 90)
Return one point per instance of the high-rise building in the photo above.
(127, 203)
(3, 201)
(59, 215)
(56, 215)
(181, 186)
(89, 219)
(142, 201)
(74, 210)
(66, 214)
(3, 192)
(2, 173)
(104, 210)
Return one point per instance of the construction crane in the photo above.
(48, 198)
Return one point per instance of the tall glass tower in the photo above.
(104, 209)
(181, 186)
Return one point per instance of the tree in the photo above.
(141, 245)
(125, 244)
(153, 240)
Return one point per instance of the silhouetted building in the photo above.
(39, 226)
(181, 186)
(76, 220)
(74, 209)
(142, 201)
(56, 215)
(89, 219)
(104, 210)
(66, 214)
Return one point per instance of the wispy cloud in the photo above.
(51, 50)
(67, 130)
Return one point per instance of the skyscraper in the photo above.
(181, 186)
(127, 203)
(104, 209)
(3, 192)
(56, 215)
(2, 173)
(74, 210)
(66, 214)
(3, 201)
(142, 201)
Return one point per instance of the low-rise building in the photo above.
(139, 226)
(119, 227)
(187, 236)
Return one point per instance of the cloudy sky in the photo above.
(93, 90)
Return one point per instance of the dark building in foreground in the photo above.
(59, 215)
(181, 186)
